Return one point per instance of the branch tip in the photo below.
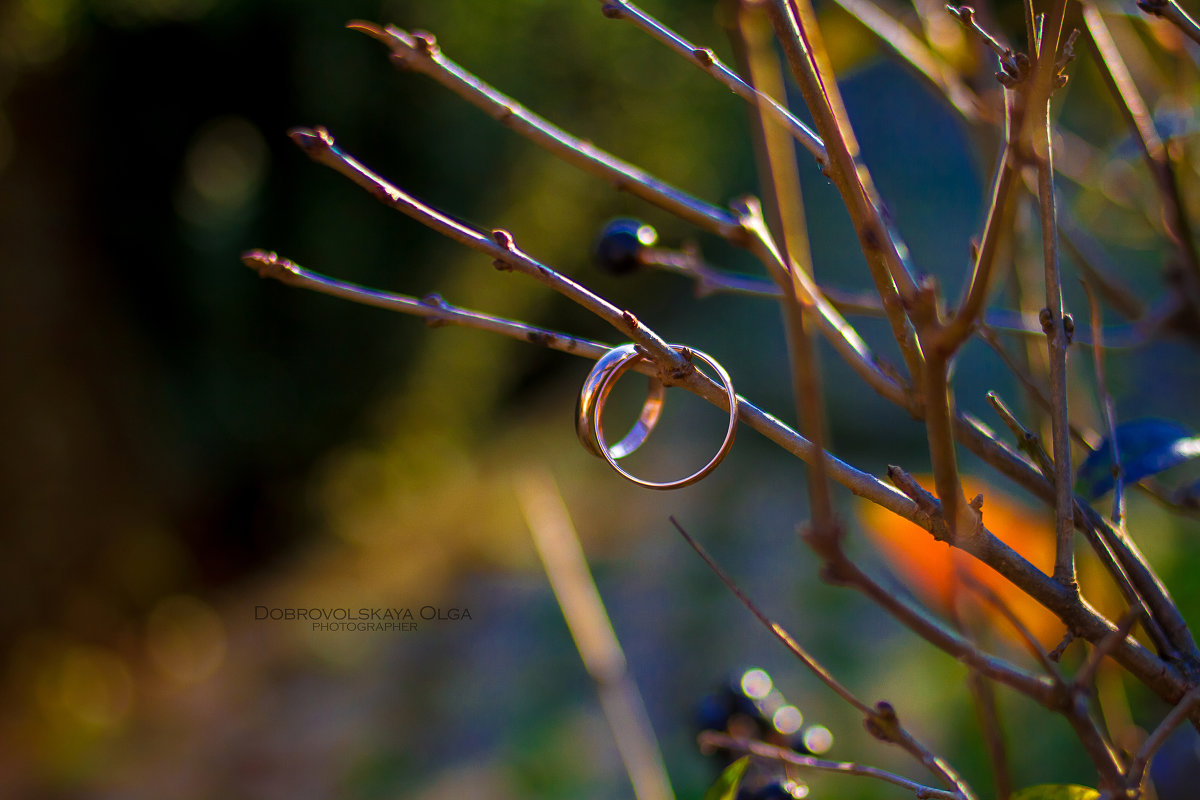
(311, 140)
(613, 10)
(269, 264)
(369, 28)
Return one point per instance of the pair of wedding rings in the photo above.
(589, 414)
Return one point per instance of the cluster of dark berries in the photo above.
(750, 706)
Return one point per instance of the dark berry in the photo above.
(621, 243)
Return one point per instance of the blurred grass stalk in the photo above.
(566, 566)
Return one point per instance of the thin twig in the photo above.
(841, 571)
(1084, 437)
(567, 570)
(763, 750)
(881, 719)
(781, 181)
(1166, 626)
(777, 630)
(1028, 442)
(983, 697)
(1119, 81)
(319, 145)
(1173, 13)
(845, 339)
(1045, 81)
(984, 694)
(1086, 675)
(432, 308)
(705, 59)
(1106, 405)
(897, 37)
(1006, 611)
(795, 25)
(1117, 552)
(1106, 547)
(1136, 774)
(962, 519)
(966, 15)
(1099, 748)
(419, 51)
(711, 280)
(1097, 268)
(998, 223)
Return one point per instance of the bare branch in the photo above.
(1106, 405)
(886, 255)
(419, 51)
(792, 758)
(1006, 611)
(893, 34)
(881, 720)
(1119, 81)
(983, 692)
(777, 630)
(1084, 437)
(1086, 675)
(1046, 79)
(432, 308)
(997, 225)
(1028, 442)
(1173, 13)
(778, 174)
(705, 59)
(712, 280)
(840, 571)
(318, 144)
(1136, 774)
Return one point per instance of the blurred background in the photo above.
(184, 443)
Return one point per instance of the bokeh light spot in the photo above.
(223, 170)
(787, 719)
(81, 684)
(185, 639)
(756, 683)
(818, 739)
(796, 790)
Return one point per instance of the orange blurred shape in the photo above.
(941, 575)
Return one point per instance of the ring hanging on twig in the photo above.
(589, 423)
(593, 396)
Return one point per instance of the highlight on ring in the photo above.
(589, 413)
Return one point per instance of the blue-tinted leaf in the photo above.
(726, 786)
(1146, 446)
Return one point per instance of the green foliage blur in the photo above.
(185, 443)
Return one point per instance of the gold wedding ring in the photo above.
(589, 417)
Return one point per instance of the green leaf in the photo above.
(1146, 447)
(1056, 791)
(726, 786)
